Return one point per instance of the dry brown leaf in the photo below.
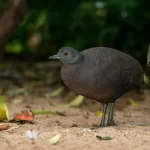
(25, 115)
(4, 127)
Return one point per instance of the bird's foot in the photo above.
(111, 123)
(102, 125)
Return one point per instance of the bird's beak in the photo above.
(54, 57)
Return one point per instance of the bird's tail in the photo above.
(148, 56)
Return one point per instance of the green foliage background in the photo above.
(124, 25)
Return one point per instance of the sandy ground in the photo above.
(131, 133)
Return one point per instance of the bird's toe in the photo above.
(111, 123)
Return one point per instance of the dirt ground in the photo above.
(131, 133)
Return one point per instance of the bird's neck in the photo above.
(78, 59)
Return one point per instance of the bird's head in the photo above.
(67, 55)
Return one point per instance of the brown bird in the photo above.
(100, 73)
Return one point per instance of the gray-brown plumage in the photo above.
(100, 73)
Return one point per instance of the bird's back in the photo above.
(104, 74)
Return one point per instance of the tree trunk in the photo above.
(13, 12)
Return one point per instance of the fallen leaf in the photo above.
(55, 93)
(25, 115)
(104, 138)
(99, 114)
(43, 112)
(18, 100)
(4, 127)
(133, 102)
(146, 79)
(4, 115)
(55, 139)
(77, 102)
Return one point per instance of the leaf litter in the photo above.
(25, 116)
(104, 137)
(77, 102)
(4, 114)
(55, 93)
(4, 127)
(55, 139)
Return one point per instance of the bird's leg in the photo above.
(102, 124)
(111, 121)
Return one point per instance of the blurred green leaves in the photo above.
(14, 47)
(82, 24)
(35, 20)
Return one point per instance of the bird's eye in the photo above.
(66, 53)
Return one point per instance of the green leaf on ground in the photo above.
(4, 114)
(104, 138)
(46, 112)
(133, 102)
(77, 102)
(146, 79)
(55, 93)
(55, 139)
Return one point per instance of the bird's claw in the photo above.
(102, 125)
(111, 123)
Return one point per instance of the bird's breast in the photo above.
(73, 78)
(82, 81)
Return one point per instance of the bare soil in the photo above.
(76, 127)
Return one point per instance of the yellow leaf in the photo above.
(146, 79)
(77, 101)
(132, 102)
(55, 93)
(2, 100)
(55, 139)
(3, 109)
(99, 114)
